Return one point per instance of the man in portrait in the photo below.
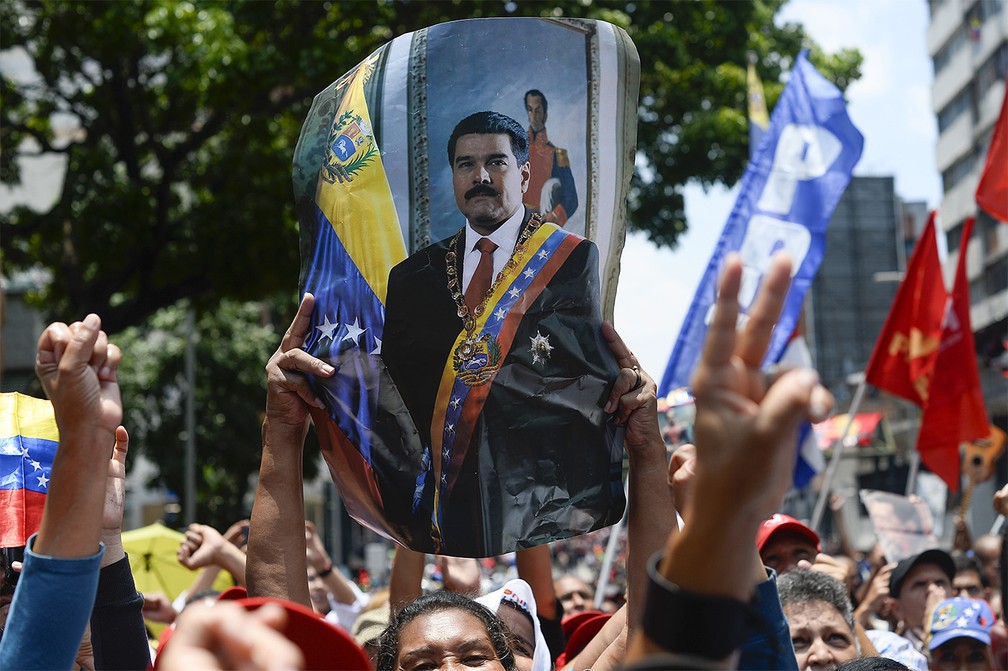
(551, 184)
(492, 339)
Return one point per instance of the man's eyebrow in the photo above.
(467, 157)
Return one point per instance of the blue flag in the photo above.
(788, 193)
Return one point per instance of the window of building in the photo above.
(995, 277)
(959, 170)
(948, 51)
(952, 238)
(976, 291)
(988, 227)
(959, 104)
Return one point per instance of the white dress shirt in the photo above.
(504, 237)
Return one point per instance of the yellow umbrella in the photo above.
(152, 558)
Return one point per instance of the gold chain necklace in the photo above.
(455, 287)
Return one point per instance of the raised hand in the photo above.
(77, 365)
(115, 499)
(633, 399)
(745, 425)
(202, 547)
(288, 393)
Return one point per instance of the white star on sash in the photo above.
(514, 292)
(455, 402)
(327, 328)
(353, 331)
(529, 273)
(543, 254)
(500, 314)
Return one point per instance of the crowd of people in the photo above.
(736, 584)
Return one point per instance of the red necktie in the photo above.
(479, 285)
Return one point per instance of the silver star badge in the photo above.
(541, 348)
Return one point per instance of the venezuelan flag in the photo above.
(28, 442)
(358, 240)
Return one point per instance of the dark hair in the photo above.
(500, 635)
(537, 92)
(965, 563)
(872, 664)
(800, 585)
(491, 123)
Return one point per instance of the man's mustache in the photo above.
(481, 190)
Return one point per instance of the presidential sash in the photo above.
(478, 354)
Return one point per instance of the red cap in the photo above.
(780, 522)
(583, 628)
(324, 645)
(233, 594)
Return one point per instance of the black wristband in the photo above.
(691, 623)
(326, 571)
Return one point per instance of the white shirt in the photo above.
(504, 237)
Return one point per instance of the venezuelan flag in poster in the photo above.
(28, 442)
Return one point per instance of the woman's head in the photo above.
(445, 626)
(820, 618)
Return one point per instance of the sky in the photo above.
(890, 104)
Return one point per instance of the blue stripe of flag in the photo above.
(344, 296)
(16, 456)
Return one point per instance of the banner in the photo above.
(28, 442)
(787, 196)
(902, 361)
(955, 412)
(992, 190)
(453, 430)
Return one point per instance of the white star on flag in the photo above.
(353, 330)
(377, 349)
(328, 328)
(36, 465)
(43, 480)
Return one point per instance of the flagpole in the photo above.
(912, 475)
(834, 463)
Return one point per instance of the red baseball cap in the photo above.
(780, 522)
(583, 627)
(323, 644)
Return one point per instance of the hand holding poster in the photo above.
(461, 265)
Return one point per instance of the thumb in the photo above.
(83, 336)
(787, 401)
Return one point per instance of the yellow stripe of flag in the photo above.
(26, 416)
(360, 208)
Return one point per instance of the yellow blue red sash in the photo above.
(463, 392)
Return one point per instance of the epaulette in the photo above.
(562, 159)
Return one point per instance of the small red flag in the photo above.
(992, 191)
(955, 410)
(904, 355)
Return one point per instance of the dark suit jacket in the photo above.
(544, 459)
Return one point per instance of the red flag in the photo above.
(904, 355)
(992, 191)
(955, 410)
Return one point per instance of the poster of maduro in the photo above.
(460, 199)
